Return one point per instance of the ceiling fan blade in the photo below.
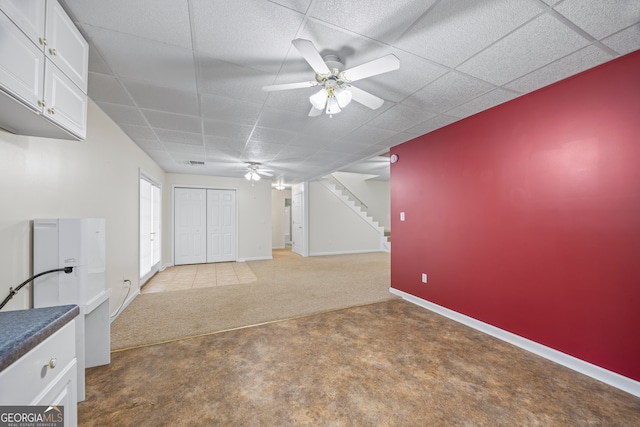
(315, 112)
(372, 68)
(311, 55)
(365, 98)
(287, 86)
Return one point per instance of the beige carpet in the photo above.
(288, 286)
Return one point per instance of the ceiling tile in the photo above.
(232, 80)
(541, 41)
(149, 144)
(449, 91)
(138, 132)
(164, 20)
(239, 30)
(483, 102)
(297, 5)
(601, 18)
(177, 137)
(379, 19)
(453, 31)
(280, 119)
(123, 114)
(368, 135)
(432, 124)
(163, 99)
(177, 147)
(401, 117)
(312, 141)
(625, 41)
(179, 122)
(331, 128)
(581, 60)
(262, 148)
(107, 89)
(229, 109)
(224, 145)
(270, 136)
(146, 60)
(96, 63)
(396, 139)
(227, 130)
(295, 153)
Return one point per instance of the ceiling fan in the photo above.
(337, 91)
(254, 173)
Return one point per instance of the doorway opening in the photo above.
(150, 241)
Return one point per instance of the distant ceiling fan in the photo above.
(254, 172)
(337, 91)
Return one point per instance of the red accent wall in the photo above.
(527, 216)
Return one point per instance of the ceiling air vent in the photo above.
(195, 163)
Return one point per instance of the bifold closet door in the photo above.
(221, 225)
(190, 226)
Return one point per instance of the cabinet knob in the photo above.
(42, 41)
(40, 103)
(52, 362)
(53, 52)
(51, 111)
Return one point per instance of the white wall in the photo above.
(375, 194)
(335, 228)
(254, 213)
(277, 217)
(50, 178)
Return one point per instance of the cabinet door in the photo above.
(21, 65)
(66, 104)
(63, 393)
(29, 15)
(65, 45)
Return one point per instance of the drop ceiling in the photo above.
(183, 78)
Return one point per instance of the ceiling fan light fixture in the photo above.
(343, 96)
(332, 106)
(319, 99)
(252, 176)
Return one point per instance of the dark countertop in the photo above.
(22, 330)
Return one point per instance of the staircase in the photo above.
(351, 200)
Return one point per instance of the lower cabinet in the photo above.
(46, 375)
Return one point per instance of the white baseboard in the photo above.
(255, 259)
(586, 368)
(346, 252)
(125, 304)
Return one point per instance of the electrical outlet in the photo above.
(424, 277)
(401, 216)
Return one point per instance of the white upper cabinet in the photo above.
(63, 103)
(28, 15)
(43, 67)
(65, 45)
(21, 65)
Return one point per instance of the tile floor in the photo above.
(199, 276)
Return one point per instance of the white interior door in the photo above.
(221, 225)
(296, 224)
(150, 241)
(190, 226)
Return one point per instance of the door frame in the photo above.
(158, 266)
(173, 215)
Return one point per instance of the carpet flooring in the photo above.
(287, 286)
(389, 363)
